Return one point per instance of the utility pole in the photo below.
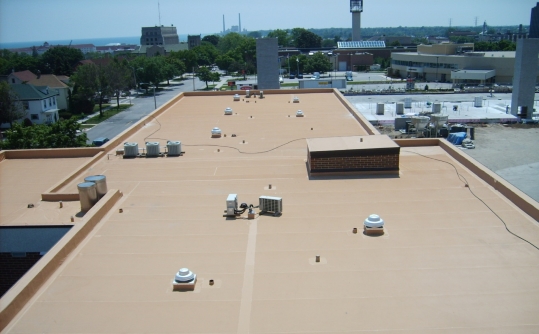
(154, 100)
(193, 78)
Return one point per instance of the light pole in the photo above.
(193, 78)
(297, 62)
(288, 61)
(135, 77)
(154, 100)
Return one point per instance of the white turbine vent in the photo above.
(374, 221)
(236, 97)
(130, 150)
(270, 204)
(184, 275)
(228, 111)
(152, 149)
(174, 147)
(299, 113)
(296, 99)
(216, 131)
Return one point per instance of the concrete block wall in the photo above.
(267, 63)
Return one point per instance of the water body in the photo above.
(133, 40)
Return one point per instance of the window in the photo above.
(12, 80)
(34, 117)
(26, 105)
(44, 104)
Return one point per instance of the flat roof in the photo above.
(445, 263)
(349, 143)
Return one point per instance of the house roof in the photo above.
(27, 92)
(24, 75)
(49, 80)
(445, 263)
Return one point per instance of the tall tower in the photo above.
(534, 22)
(356, 7)
(239, 19)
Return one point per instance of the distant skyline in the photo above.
(38, 20)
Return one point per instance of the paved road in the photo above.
(142, 106)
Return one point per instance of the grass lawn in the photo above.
(86, 126)
(210, 87)
(96, 107)
(107, 114)
(289, 84)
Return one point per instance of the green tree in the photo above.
(64, 133)
(204, 74)
(307, 39)
(119, 77)
(213, 39)
(224, 62)
(318, 63)
(230, 42)
(174, 67)
(61, 60)
(11, 108)
(206, 54)
(281, 35)
(188, 57)
(254, 34)
(92, 81)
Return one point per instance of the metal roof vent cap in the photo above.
(299, 113)
(296, 99)
(216, 131)
(236, 97)
(228, 111)
(374, 221)
(184, 275)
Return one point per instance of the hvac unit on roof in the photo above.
(236, 97)
(152, 149)
(130, 150)
(228, 111)
(174, 148)
(270, 204)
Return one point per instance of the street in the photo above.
(142, 106)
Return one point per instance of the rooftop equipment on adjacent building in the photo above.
(400, 108)
(373, 225)
(152, 149)
(100, 184)
(270, 204)
(478, 102)
(380, 108)
(174, 148)
(130, 150)
(436, 107)
(420, 122)
(228, 111)
(408, 102)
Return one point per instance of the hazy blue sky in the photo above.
(35, 20)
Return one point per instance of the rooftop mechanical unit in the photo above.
(228, 111)
(236, 97)
(270, 204)
(231, 204)
(299, 113)
(247, 93)
(130, 150)
(174, 148)
(295, 100)
(152, 149)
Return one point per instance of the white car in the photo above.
(281, 79)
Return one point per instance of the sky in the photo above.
(35, 20)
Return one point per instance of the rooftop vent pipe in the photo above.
(374, 225)
(228, 111)
(87, 195)
(100, 184)
(236, 97)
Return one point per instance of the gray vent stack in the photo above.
(87, 195)
(100, 184)
(407, 102)
(152, 149)
(478, 102)
(437, 107)
(130, 150)
(174, 148)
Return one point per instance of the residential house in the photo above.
(20, 77)
(40, 102)
(52, 81)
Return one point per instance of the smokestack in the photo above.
(239, 18)
(223, 24)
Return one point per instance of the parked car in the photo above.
(316, 76)
(349, 76)
(291, 76)
(300, 76)
(100, 141)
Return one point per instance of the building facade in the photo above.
(39, 102)
(159, 35)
